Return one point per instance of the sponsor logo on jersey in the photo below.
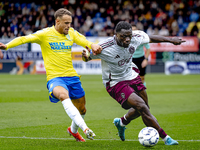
(59, 46)
(124, 61)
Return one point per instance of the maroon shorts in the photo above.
(122, 90)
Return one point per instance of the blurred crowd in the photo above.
(98, 18)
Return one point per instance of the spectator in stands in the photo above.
(25, 11)
(194, 16)
(2, 11)
(13, 25)
(24, 21)
(163, 31)
(5, 36)
(195, 30)
(150, 13)
(3, 29)
(150, 30)
(15, 32)
(50, 21)
(89, 21)
(43, 21)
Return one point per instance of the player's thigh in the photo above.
(143, 95)
(135, 101)
(58, 89)
(60, 92)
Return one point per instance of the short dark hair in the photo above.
(122, 25)
(133, 25)
(62, 11)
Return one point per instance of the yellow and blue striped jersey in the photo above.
(56, 49)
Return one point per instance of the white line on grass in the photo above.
(43, 138)
(21, 90)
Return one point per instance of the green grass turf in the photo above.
(29, 121)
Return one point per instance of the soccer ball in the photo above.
(148, 136)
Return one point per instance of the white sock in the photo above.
(121, 123)
(165, 138)
(73, 113)
(74, 127)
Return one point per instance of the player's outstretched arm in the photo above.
(86, 54)
(159, 39)
(2, 46)
(1, 55)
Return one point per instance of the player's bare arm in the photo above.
(145, 61)
(96, 49)
(158, 39)
(3, 46)
(1, 55)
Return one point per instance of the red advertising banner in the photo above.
(191, 45)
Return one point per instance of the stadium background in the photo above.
(96, 20)
(29, 121)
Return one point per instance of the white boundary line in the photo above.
(43, 138)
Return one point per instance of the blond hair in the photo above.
(60, 12)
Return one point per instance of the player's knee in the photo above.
(63, 96)
(142, 108)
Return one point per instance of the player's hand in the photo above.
(144, 63)
(2, 46)
(86, 54)
(1, 55)
(177, 41)
(96, 49)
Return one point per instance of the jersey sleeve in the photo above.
(31, 38)
(95, 56)
(81, 40)
(146, 38)
(147, 46)
(141, 36)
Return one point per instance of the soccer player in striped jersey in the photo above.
(121, 79)
(63, 82)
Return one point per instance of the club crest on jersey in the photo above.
(131, 49)
(122, 95)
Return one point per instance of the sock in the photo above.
(74, 114)
(165, 138)
(74, 127)
(124, 121)
(162, 133)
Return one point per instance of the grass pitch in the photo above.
(29, 121)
